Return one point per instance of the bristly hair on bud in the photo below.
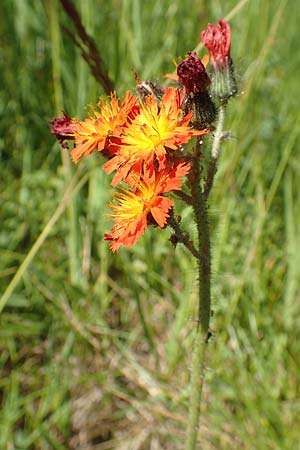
(192, 74)
(217, 40)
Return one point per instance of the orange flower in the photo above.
(94, 133)
(154, 130)
(133, 210)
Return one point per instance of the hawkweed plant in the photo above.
(157, 142)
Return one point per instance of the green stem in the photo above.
(182, 236)
(202, 329)
(215, 153)
(218, 134)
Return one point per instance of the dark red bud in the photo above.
(62, 128)
(192, 74)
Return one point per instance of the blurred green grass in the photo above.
(94, 347)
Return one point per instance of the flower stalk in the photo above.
(215, 152)
(204, 302)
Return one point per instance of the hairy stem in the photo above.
(202, 328)
(184, 197)
(183, 236)
(215, 152)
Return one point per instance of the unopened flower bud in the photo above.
(62, 128)
(196, 81)
(192, 74)
(216, 39)
(204, 110)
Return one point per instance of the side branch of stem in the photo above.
(183, 236)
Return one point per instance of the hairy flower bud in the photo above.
(204, 110)
(196, 81)
(192, 74)
(216, 39)
(62, 128)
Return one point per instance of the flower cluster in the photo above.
(142, 140)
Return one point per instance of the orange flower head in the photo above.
(133, 210)
(95, 132)
(154, 130)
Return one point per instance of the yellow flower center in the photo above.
(148, 132)
(129, 205)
